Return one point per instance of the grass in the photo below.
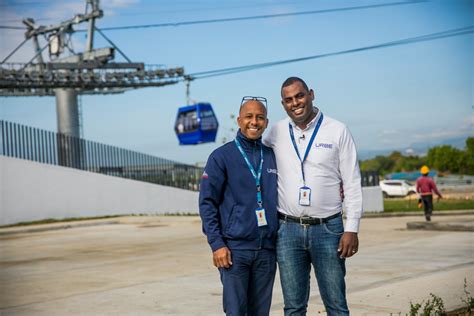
(406, 205)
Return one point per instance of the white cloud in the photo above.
(395, 138)
(466, 128)
(388, 132)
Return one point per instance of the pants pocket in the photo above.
(334, 226)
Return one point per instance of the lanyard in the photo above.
(316, 129)
(257, 175)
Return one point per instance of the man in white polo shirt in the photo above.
(316, 156)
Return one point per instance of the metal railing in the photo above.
(24, 142)
(52, 148)
(369, 178)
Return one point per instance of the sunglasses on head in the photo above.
(249, 98)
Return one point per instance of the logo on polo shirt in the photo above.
(323, 145)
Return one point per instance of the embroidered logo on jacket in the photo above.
(204, 175)
(272, 171)
(323, 145)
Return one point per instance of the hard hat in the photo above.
(425, 170)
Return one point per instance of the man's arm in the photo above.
(268, 138)
(212, 183)
(350, 174)
(435, 189)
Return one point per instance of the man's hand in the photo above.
(222, 258)
(348, 245)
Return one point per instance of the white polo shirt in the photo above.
(331, 161)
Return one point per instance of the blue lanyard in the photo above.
(257, 175)
(316, 129)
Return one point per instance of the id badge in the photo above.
(261, 218)
(305, 196)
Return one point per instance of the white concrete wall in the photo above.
(33, 191)
(372, 199)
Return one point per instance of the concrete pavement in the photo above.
(162, 266)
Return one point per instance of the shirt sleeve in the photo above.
(269, 138)
(435, 189)
(210, 195)
(351, 180)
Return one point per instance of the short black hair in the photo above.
(292, 80)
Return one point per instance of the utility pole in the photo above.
(92, 72)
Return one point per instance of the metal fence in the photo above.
(34, 144)
(369, 178)
(47, 147)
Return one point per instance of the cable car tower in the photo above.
(93, 71)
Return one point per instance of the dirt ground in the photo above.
(161, 265)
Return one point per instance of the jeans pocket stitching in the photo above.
(331, 232)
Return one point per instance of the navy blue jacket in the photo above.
(228, 197)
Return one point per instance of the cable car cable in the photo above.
(245, 18)
(412, 40)
(257, 17)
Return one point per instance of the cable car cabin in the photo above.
(196, 124)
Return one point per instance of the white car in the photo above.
(396, 188)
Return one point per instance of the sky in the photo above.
(391, 98)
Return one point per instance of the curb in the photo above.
(92, 222)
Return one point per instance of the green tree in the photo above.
(466, 163)
(410, 163)
(445, 158)
(381, 164)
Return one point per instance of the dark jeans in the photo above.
(428, 204)
(300, 247)
(248, 283)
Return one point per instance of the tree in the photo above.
(409, 163)
(445, 158)
(381, 164)
(466, 163)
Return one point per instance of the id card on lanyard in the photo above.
(257, 175)
(305, 191)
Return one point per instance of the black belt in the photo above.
(306, 220)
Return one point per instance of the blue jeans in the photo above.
(248, 283)
(300, 246)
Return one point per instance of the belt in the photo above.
(307, 220)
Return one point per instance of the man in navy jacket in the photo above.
(237, 204)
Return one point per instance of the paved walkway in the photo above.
(162, 266)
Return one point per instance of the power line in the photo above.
(243, 18)
(411, 40)
(195, 9)
(257, 17)
(213, 8)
